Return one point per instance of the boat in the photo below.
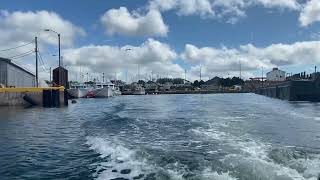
(103, 90)
(79, 90)
(139, 90)
(117, 91)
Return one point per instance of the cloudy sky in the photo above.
(164, 38)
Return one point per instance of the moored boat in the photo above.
(103, 90)
(78, 90)
(139, 91)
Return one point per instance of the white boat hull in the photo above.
(139, 92)
(103, 92)
(117, 92)
(78, 93)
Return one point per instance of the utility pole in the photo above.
(240, 68)
(262, 76)
(200, 72)
(103, 77)
(50, 76)
(138, 72)
(87, 77)
(151, 75)
(185, 75)
(36, 51)
(126, 75)
(59, 50)
(315, 72)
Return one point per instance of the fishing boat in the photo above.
(139, 90)
(104, 90)
(117, 91)
(79, 90)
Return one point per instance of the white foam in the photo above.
(317, 118)
(114, 153)
(212, 133)
(253, 158)
(208, 174)
(118, 158)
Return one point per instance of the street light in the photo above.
(48, 30)
(61, 62)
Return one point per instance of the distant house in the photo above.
(212, 84)
(151, 86)
(276, 75)
(186, 82)
(237, 87)
(13, 75)
(167, 86)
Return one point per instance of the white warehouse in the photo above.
(276, 75)
(12, 75)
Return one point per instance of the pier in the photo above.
(46, 97)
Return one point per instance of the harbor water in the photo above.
(213, 136)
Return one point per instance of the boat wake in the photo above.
(119, 162)
(250, 159)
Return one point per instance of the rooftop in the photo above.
(9, 61)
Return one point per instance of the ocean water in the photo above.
(213, 137)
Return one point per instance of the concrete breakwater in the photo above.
(46, 97)
(294, 90)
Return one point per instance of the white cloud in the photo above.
(121, 21)
(184, 7)
(232, 10)
(290, 4)
(310, 13)
(151, 56)
(19, 27)
(226, 61)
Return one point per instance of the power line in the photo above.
(42, 63)
(16, 47)
(15, 62)
(21, 55)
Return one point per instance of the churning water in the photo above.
(222, 136)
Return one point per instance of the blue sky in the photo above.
(213, 39)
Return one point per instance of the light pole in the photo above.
(61, 61)
(48, 30)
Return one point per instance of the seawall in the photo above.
(295, 90)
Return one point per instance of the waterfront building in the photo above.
(167, 86)
(13, 75)
(276, 75)
(151, 86)
(212, 84)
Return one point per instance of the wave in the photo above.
(251, 159)
(118, 161)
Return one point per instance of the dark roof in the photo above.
(214, 81)
(16, 65)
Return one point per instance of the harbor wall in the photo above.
(16, 98)
(31, 96)
(299, 90)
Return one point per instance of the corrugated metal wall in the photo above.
(19, 78)
(3, 73)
